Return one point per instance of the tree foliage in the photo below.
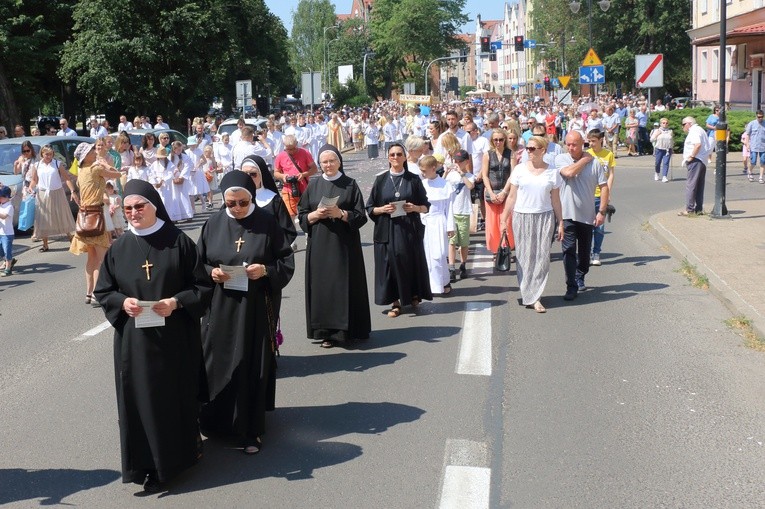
(628, 28)
(308, 42)
(405, 31)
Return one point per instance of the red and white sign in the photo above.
(649, 70)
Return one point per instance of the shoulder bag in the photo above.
(90, 221)
(502, 261)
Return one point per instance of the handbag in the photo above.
(27, 213)
(502, 261)
(90, 221)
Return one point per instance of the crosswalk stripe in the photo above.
(475, 343)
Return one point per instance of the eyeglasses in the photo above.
(26, 151)
(531, 149)
(138, 207)
(396, 154)
(234, 203)
(495, 140)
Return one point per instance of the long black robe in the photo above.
(157, 370)
(336, 299)
(401, 271)
(238, 330)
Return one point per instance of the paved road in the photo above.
(635, 395)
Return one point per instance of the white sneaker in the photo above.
(656, 176)
(595, 259)
(664, 179)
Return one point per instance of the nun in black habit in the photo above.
(401, 271)
(336, 299)
(238, 331)
(157, 369)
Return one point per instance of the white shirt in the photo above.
(67, 132)
(6, 225)
(161, 125)
(466, 142)
(98, 132)
(480, 147)
(223, 155)
(127, 126)
(461, 204)
(533, 195)
(48, 177)
(277, 143)
(245, 148)
(696, 136)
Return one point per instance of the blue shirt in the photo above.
(712, 120)
(756, 132)
(642, 118)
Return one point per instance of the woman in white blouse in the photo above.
(533, 197)
(52, 213)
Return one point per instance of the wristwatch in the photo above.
(265, 271)
(602, 212)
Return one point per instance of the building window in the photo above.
(728, 62)
(703, 6)
(716, 65)
(703, 68)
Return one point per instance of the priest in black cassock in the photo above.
(157, 368)
(336, 299)
(401, 270)
(247, 255)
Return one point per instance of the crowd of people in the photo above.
(502, 163)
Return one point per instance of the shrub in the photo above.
(736, 119)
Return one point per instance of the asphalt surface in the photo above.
(634, 395)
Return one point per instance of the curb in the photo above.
(717, 286)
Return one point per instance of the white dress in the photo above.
(161, 175)
(198, 181)
(179, 206)
(118, 217)
(138, 172)
(438, 221)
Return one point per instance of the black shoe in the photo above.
(463, 271)
(152, 484)
(570, 294)
(452, 276)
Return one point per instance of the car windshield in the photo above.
(8, 155)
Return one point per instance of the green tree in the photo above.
(405, 31)
(308, 23)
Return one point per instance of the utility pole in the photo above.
(720, 210)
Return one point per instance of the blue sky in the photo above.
(284, 8)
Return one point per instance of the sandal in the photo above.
(88, 298)
(447, 291)
(327, 343)
(43, 249)
(253, 448)
(394, 311)
(539, 308)
(416, 301)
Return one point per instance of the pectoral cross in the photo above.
(239, 244)
(148, 267)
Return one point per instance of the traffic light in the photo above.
(463, 55)
(485, 44)
(493, 56)
(548, 85)
(518, 43)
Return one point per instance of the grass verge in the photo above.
(743, 326)
(692, 274)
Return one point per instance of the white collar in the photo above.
(332, 179)
(396, 174)
(263, 196)
(249, 211)
(142, 232)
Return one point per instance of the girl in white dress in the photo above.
(439, 225)
(180, 207)
(115, 210)
(138, 170)
(160, 175)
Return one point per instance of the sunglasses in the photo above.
(233, 203)
(26, 151)
(138, 207)
(396, 154)
(495, 140)
(531, 149)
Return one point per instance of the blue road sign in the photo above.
(496, 45)
(530, 43)
(538, 85)
(592, 75)
(555, 82)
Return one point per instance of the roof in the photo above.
(468, 38)
(490, 23)
(738, 35)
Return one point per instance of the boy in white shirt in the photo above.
(6, 230)
(462, 180)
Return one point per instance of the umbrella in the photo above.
(455, 101)
(588, 107)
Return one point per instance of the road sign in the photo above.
(555, 83)
(564, 96)
(495, 45)
(591, 59)
(243, 93)
(592, 75)
(650, 70)
(537, 85)
(530, 43)
(564, 81)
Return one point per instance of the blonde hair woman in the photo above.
(53, 216)
(498, 162)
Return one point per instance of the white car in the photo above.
(229, 126)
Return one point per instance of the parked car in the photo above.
(679, 103)
(229, 126)
(136, 135)
(10, 150)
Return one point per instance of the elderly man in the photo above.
(124, 124)
(65, 130)
(581, 175)
(695, 153)
(294, 167)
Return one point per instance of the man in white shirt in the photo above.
(695, 153)
(160, 124)
(247, 146)
(145, 124)
(275, 137)
(236, 136)
(65, 130)
(453, 121)
(124, 124)
(96, 129)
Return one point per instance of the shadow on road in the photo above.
(392, 337)
(357, 362)
(637, 261)
(298, 442)
(52, 485)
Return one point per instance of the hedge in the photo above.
(737, 121)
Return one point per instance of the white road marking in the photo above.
(475, 343)
(98, 329)
(467, 482)
(481, 262)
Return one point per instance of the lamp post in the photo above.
(324, 62)
(367, 54)
(575, 5)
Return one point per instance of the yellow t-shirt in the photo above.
(606, 158)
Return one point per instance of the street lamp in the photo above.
(574, 5)
(367, 54)
(324, 63)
